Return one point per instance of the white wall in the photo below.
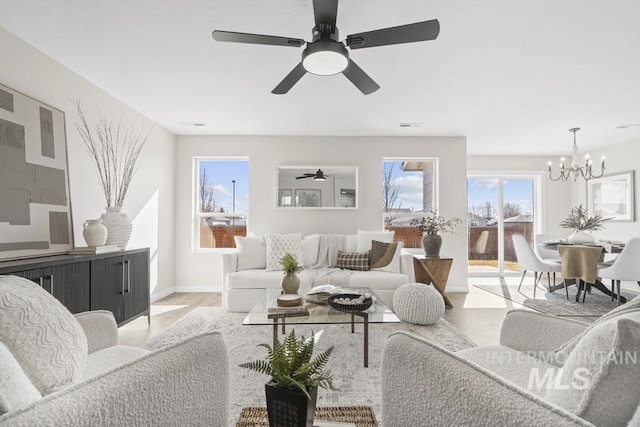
(201, 271)
(623, 157)
(556, 195)
(150, 200)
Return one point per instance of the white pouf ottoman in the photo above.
(418, 304)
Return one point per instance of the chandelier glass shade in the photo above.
(575, 170)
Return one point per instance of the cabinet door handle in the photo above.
(128, 276)
(41, 282)
(51, 282)
(123, 263)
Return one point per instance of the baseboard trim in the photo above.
(195, 289)
(460, 289)
(163, 293)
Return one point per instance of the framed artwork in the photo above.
(613, 196)
(308, 198)
(285, 200)
(35, 207)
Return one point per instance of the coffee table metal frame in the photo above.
(378, 313)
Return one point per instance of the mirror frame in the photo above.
(305, 169)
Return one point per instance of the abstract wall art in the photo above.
(35, 207)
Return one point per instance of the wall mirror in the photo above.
(317, 187)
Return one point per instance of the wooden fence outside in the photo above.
(490, 251)
(220, 236)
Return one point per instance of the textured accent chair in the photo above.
(57, 369)
(625, 267)
(546, 371)
(529, 261)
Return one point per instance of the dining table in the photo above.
(584, 265)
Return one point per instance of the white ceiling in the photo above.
(511, 76)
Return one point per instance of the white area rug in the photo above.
(358, 385)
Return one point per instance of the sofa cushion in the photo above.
(376, 280)
(353, 260)
(278, 245)
(351, 243)
(522, 369)
(386, 256)
(366, 237)
(310, 250)
(252, 252)
(104, 360)
(43, 336)
(601, 376)
(16, 391)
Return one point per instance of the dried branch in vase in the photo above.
(114, 151)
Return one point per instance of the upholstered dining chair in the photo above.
(625, 267)
(529, 261)
(544, 253)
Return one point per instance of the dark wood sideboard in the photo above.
(115, 281)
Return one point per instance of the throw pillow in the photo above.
(278, 245)
(599, 381)
(310, 250)
(385, 256)
(252, 253)
(365, 238)
(16, 391)
(43, 336)
(353, 260)
(565, 350)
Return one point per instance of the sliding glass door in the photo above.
(499, 206)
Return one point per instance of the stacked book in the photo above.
(94, 250)
(274, 310)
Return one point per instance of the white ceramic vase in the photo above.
(581, 237)
(94, 232)
(118, 225)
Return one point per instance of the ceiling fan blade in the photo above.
(307, 176)
(417, 32)
(291, 79)
(325, 12)
(230, 36)
(360, 79)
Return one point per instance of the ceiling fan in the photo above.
(317, 176)
(325, 55)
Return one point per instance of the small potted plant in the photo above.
(580, 222)
(291, 267)
(432, 226)
(293, 389)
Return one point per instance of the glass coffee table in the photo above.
(320, 314)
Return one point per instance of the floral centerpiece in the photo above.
(432, 226)
(580, 222)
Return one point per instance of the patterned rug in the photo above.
(358, 385)
(595, 305)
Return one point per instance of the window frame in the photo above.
(196, 215)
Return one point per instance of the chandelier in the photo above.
(574, 170)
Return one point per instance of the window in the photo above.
(221, 201)
(409, 192)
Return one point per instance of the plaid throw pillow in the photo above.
(353, 260)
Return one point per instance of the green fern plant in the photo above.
(290, 264)
(290, 365)
(579, 220)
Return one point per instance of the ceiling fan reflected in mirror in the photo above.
(326, 55)
(317, 176)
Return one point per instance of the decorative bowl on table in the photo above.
(350, 303)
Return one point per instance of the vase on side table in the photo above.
(118, 225)
(94, 232)
(432, 244)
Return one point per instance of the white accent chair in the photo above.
(529, 261)
(625, 267)
(545, 254)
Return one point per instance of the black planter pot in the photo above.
(287, 408)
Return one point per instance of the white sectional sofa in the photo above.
(245, 276)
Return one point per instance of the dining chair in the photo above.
(546, 254)
(529, 261)
(625, 267)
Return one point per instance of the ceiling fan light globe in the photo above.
(325, 58)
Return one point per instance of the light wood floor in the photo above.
(477, 314)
